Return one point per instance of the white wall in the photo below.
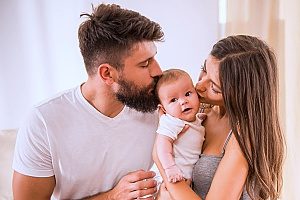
(39, 54)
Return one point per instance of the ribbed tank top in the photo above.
(205, 169)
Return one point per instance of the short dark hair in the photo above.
(109, 34)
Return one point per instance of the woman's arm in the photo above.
(230, 177)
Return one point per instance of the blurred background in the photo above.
(39, 53)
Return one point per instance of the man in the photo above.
(95, 141)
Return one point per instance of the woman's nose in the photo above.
(200, 87)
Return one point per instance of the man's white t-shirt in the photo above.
(86, 151)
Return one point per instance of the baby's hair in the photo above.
(169, 76)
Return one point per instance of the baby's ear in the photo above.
(161, 109)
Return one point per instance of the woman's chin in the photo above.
(202, 100)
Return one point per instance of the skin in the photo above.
(179, 99)
(140, 68)
(230, 177)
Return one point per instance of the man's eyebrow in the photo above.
(147, 59)
(143, 61)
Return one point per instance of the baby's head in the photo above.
(177, 95)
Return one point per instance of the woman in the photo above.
(243, 152)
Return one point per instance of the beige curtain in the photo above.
(291, 17)
(278, 23)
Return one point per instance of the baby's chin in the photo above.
(191, 117)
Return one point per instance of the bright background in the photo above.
(39, 54)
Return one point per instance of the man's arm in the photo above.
(31, 188)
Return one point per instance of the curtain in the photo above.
(277, 23)
(291, 17)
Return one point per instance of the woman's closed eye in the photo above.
(217, 91)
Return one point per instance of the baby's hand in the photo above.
(174, 174)
(201, 116)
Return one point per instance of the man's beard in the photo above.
(140, 99)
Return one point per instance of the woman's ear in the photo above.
(107, 73)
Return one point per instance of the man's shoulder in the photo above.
(58, 98)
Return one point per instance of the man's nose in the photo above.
(155, 69)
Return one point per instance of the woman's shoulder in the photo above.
(233, 144)
(234, 153)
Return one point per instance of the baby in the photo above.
(180, 132)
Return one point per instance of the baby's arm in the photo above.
(166, 157)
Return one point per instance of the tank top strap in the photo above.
(226, 141)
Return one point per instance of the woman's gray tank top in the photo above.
(204, 171)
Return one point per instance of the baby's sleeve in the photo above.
(170, 126)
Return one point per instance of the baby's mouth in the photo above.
(186, 109)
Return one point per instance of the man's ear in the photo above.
(107, 73)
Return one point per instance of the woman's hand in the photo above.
(163, 193)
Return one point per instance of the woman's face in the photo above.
(208, 86)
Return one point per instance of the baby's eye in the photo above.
(188, 94)
(173, 100)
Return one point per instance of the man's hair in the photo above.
(109, 34)
(249, 83)
(169, 76)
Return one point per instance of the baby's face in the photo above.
(179, 98)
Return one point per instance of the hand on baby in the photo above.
(174, 174)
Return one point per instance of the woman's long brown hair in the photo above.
(249, 83)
